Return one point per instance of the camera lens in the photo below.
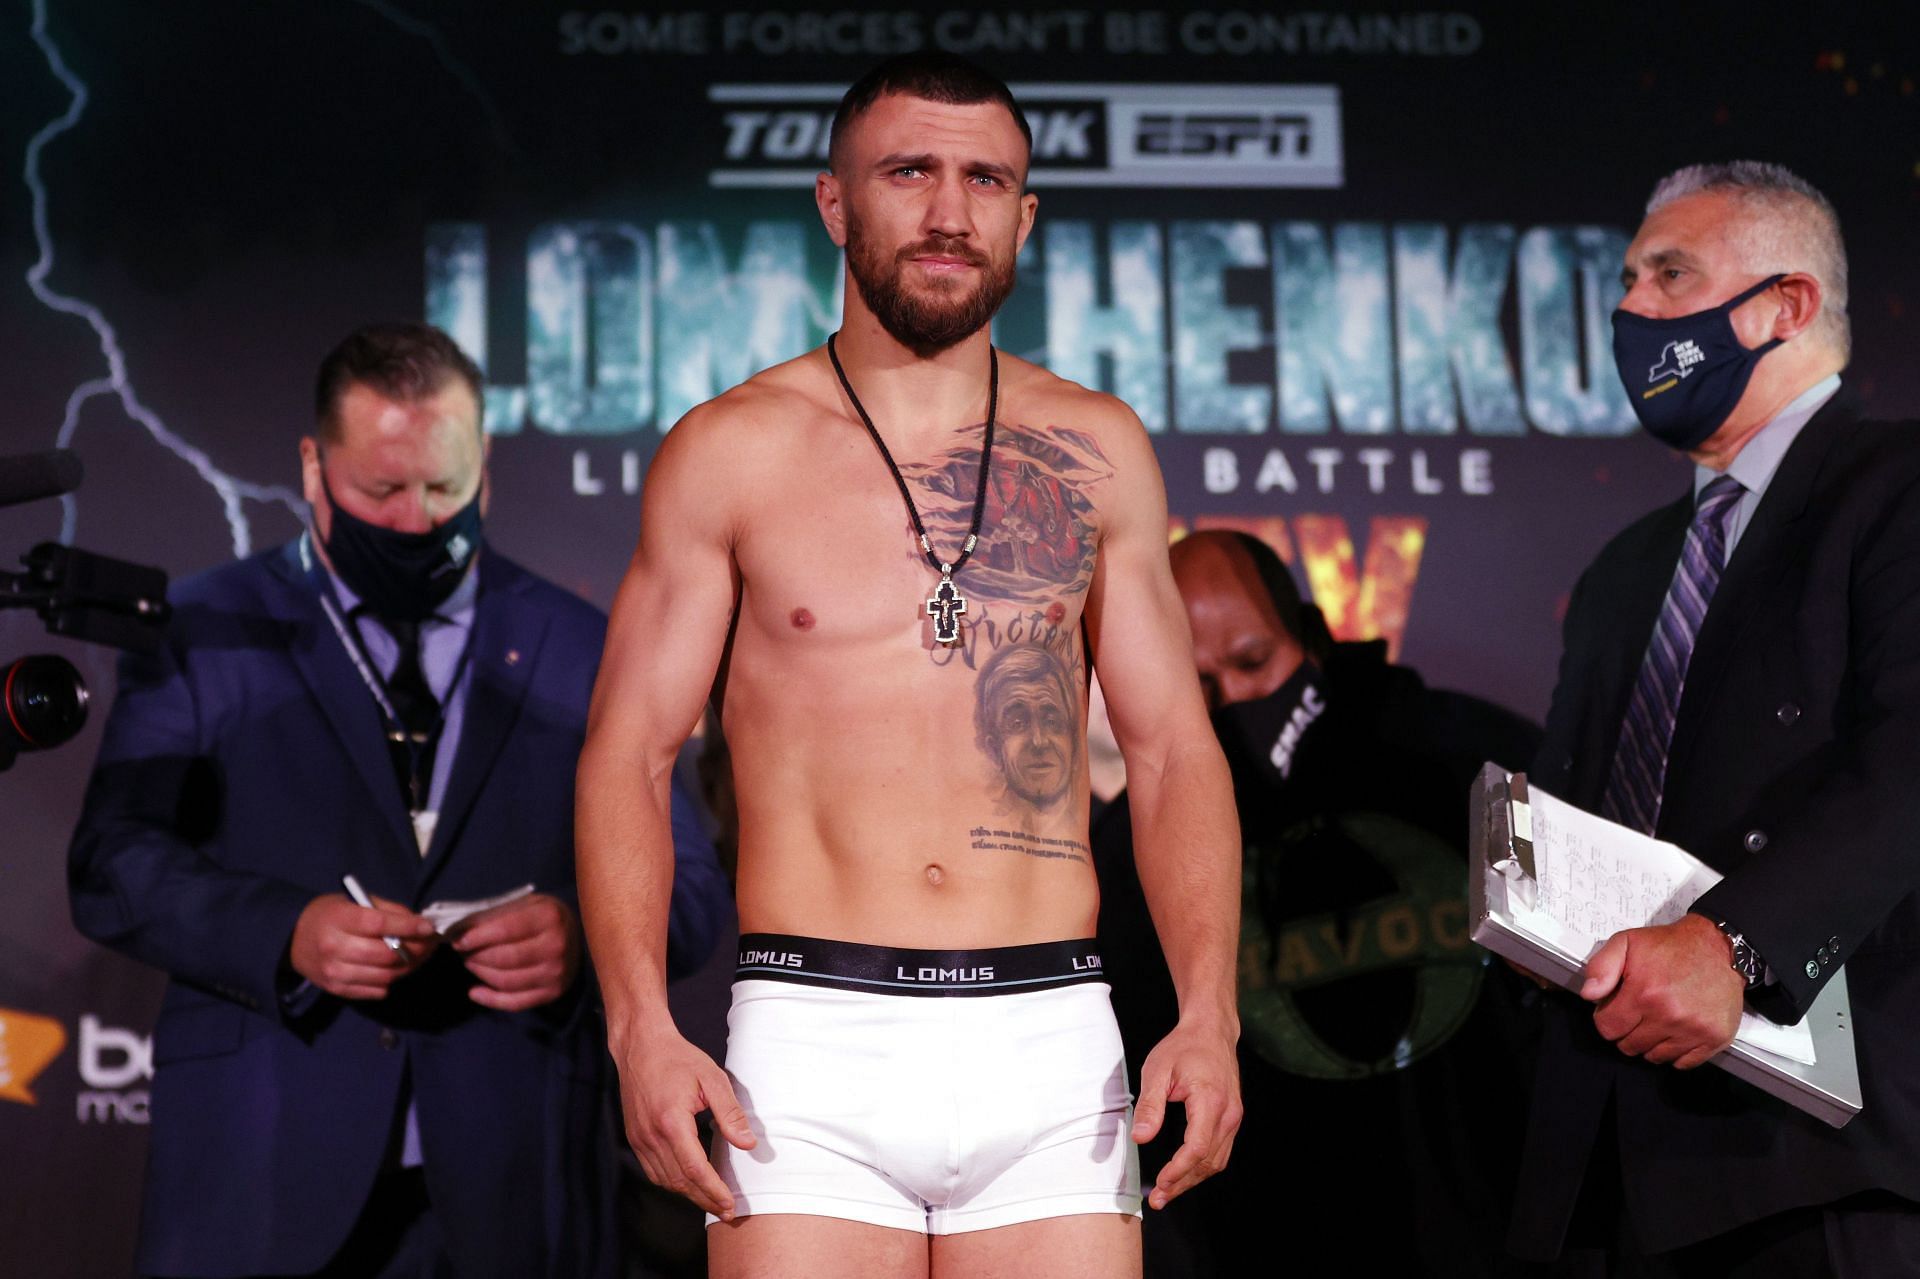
(45, 702)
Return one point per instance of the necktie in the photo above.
(419, 713)
(1640, 763)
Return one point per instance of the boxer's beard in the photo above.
(926, 318)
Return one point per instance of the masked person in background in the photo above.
(1371, 1026)
(1742, 677)
(380, 708)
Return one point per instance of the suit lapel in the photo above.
(335, 684)
(507, 635)
(1766, 549)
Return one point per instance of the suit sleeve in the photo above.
(137, 881)
(702, 898)
(1552, 767)
(1835, 868)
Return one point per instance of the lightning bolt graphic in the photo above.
(452, 65)
(232, 491)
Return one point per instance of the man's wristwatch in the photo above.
(1746, 960)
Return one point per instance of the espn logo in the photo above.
(1087, 135)
(1230, 135)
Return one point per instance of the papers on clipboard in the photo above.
(1549, 883)
(1594, 878)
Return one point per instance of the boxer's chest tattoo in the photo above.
(1039, 531)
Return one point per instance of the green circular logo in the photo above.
(1293, 965)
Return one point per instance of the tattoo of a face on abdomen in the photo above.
(1026, 721)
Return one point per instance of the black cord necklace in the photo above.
(947, 603)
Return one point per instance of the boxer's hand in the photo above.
(337, 945)
(664, 1082)
(526, 952)
(1668, 993)
(1195, 1065)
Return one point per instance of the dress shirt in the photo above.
(1760, 456)
(443, 638)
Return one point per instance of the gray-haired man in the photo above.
(1742, 677)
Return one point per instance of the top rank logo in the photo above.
(1171, 135)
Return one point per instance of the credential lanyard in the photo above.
(396, 732)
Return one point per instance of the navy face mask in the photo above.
(403, 576)
(1685, 375)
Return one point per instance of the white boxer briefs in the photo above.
(933, 1091)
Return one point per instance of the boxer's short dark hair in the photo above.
(935, 76)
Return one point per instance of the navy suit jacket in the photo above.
(1794, 770)
(241, 774)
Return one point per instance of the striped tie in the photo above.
(1640, 764)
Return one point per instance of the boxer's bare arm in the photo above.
(664, 645)
(1186, 832)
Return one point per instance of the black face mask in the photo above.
(403, 576)
(1264, 734)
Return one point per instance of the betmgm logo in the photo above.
(1676, 362)
(1084, 135)
(115, 1064)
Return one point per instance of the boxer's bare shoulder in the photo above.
(749, 424)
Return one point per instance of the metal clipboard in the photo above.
(1501, 862)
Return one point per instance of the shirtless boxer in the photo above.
(923, 1074)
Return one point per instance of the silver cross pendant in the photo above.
(945, 608)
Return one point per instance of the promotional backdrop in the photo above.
(1352, 267)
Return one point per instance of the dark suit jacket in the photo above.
(242, 773)
(1794, 769)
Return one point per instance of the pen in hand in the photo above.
(360, 898)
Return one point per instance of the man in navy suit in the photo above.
(339, 1089)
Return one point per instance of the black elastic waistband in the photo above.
(893, 970)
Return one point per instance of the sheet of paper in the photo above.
(1598, 877)
(1794, 1042)
(445, 916)
(1594, 878)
